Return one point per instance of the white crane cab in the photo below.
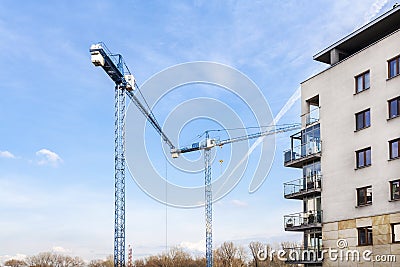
(96, 56)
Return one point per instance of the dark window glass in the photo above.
(363, 157)
(363, 119)
(393, 67)
(367, 118)
(359, 84)
(396, 233)
(361, 160)
(368, 157)
(364, 196)
(394, 149)
(395, 190)
(362, 82)
(365, 236)
(366, 80)
(394, 107)
(360, 121)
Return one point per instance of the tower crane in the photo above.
(207, 145)
(125, 84)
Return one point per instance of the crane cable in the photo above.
(166, 205)
(147, 104)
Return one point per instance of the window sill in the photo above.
(393, 159)
(394, 200)
(363, 167)
(398, 74)
(366, 245)
(366, 89)
(394, 117)
(362, 128)
(364, 205)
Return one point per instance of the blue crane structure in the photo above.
(125, 84)
(207, 145)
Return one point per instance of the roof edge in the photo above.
(356, 32)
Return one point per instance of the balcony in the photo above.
(302, 154)
(298, 189)
(312, 117)
(303, 221)
(310, 255)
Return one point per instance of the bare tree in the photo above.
(175, 257)
(255, 248)
(15, 263)
(109, 262)
(49, 259)
(229, 255)
(139, 263)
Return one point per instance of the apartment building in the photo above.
(348, 150)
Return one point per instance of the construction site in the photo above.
(170, 150)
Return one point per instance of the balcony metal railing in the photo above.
(302, 185)
(303, 255)
(302, 151)
(302, 219)
(312, 116)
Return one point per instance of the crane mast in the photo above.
(125, 84)
(208, 204)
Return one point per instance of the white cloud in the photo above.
(7, 154)
(58, 249)
(239, 203)
(48, 157)
(194, 246)
(375, 8)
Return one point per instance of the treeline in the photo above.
(226, 255)
(51, 259)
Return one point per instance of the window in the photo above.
(395, 190)
(396, 233)
(394, 107)
(394, 149)
(363, 157)
(364, 196)
(362, 82)
(393, 66)
(363, 119)
(365, 236)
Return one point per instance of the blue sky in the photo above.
(57, 113)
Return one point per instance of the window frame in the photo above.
(397, 140)
(365, 200)
(362, 75)
(398, 107)
(393, 233)
(397, 71)
(364, 120)
(392, 198)
(364, 151)
(366, 230)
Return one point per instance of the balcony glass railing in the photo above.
(303, 219)
(304, 184)
(302, 151)
(300, 254)
(312, 116)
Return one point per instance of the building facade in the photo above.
(349, 150)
